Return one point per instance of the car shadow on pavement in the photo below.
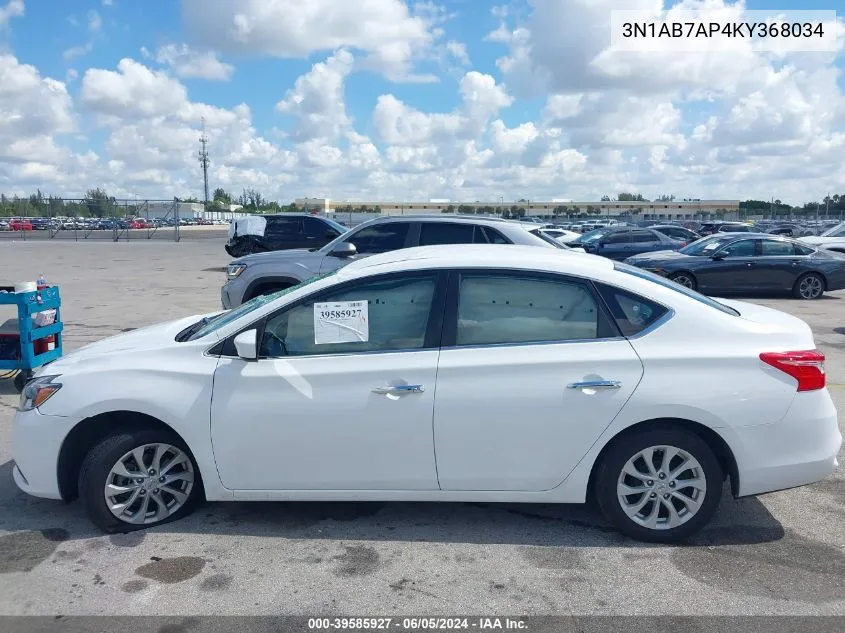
(738, 522)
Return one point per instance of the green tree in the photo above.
(221, 197)
(449, 209)
(98, 203)
(631, 197)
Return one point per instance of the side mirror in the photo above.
(332, 234)
(246, 344)
(344, 249)
(718, 256)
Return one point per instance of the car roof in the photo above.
(456, 219)
(478, 255)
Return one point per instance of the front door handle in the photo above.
(399, 389)
(595, 384)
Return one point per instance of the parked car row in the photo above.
(283, 251)
(99, 224)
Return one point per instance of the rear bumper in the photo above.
(800, 449)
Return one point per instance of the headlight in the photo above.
(37, 392)
(233, 270)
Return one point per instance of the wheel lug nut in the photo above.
(155, 491)
(662, 475)
(143, 492)
(140, 480)
(649, 483)
(161, 479)
(666, 496)
(152, 471)
(652, 495)
(671, 484)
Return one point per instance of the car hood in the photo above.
(817, 240)
(270, 257)
(145, 338)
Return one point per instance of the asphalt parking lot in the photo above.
(780, 554)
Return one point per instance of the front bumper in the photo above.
(799, 449)
(36, 443)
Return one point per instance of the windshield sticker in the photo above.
(341, 322)
(711, 246)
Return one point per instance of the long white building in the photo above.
(673, 210)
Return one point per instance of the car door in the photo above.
(342, 395)
(281, 233)
(614, 245)
(780, 263)
(531, 372)
(734, 268)
(646, 241)
(371, 240)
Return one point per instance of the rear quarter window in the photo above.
(631, 312)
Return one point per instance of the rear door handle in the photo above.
(399, 389)
(595, 384)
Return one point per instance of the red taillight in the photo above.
(683, 244)
(806, 367)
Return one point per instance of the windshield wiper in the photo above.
(189, 331)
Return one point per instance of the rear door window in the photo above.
(283, 227)
(433, 233)
(498, 309)
(381, 238)
(775, 248)
(493, 236)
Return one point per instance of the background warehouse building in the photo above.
(673, 210)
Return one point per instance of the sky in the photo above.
(395, 100)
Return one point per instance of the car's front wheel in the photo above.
(138, 478)
(659, 485)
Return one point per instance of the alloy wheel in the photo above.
(661, 487)
(810, 287)
(149, 483)
(684, 280)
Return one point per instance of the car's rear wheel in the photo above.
(138, 478)
(684, 279)
(809, 286)
(660, 485)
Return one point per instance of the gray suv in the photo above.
(265, 273)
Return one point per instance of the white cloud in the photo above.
(108, 3)
(383, 29)
(95, 22)
(189, 63)
(77, 51)
(133, 91)
(12, 9)
(317, 99)
(458, 50)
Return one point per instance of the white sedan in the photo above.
(485, 373)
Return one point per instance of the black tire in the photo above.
(627, 446)
(685, 279)
(809, 286)
(99, 462)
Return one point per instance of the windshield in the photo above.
(707, 245)
(666, 283)
(836, 231)
(209, 325)
(546, 238)
(590, 237)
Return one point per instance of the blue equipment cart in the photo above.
(25, 359)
